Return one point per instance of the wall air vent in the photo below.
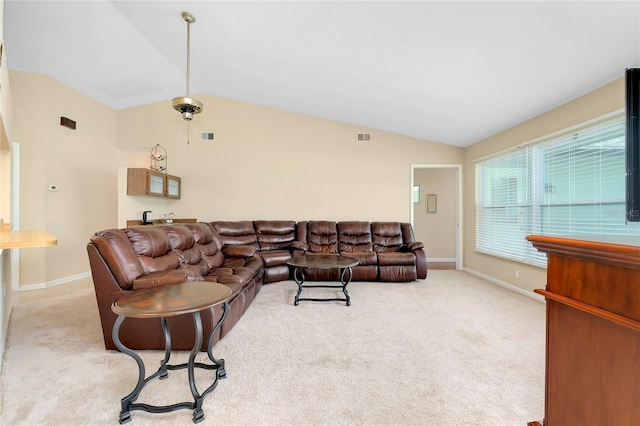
(363, 137)
(207, 136)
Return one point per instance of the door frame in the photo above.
(458, 169)
(15, 213)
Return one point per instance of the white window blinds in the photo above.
(569, 184)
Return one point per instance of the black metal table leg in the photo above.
(222, 372)
(345, 282)
(164, 373)
(298, 277)
(128, 402)
(198, 414)
(125, 414)
(345, 279)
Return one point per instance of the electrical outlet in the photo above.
(517, 274)
(53, 188)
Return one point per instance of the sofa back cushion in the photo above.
(354, 237)
(153, 248)
(209, 243)
(184, 245)
(238, 232)
(116, 250)
(180, 237)
(387, 236)
(274, 234)
(407, 233)
(322, 237)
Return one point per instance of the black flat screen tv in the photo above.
(632, 153)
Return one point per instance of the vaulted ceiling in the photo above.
(453, 72)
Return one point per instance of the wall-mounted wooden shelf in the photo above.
(153, 183)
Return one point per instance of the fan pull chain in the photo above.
(188, 132)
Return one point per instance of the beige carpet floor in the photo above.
(450, 350)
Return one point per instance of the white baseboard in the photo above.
(48, 284)
(441, 259)
(506, 285)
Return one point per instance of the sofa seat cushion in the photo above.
(200, 268)
(173, 276)
(234, 282)
(273, 258)
(363, 258)
(233, 262)
(396, 258)
(245, 274)
(218, 272)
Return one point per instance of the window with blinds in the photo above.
(571, 183)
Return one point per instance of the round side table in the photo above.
(323, 261)
(166, 301)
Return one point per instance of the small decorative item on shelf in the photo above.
(168, 218)
(158, 159)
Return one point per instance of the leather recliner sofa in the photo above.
(129, 259)
(240, 254)
(272, 240)
(386, 251)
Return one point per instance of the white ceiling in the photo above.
(448, 71)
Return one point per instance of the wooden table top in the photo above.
(323, 261)
(26, 239)
(171, 299)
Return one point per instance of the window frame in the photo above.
(492, 234)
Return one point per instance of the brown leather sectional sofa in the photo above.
(240, 254)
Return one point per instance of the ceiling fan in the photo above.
(186, 105)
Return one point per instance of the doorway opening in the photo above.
(436, 212)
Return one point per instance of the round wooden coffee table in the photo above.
(323, 261)
(166, 301)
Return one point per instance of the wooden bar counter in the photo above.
(593, 331)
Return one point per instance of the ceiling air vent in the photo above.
(363, 137)
(207, 136)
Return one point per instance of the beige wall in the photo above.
(604, 100)
(80, 162)
(437, 230)
(272, 164)
(264, 164)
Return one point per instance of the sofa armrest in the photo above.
(299, 245)
(238, 250)
(415, 245)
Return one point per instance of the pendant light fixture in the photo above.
(186, 105)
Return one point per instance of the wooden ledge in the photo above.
(26, 239)
(132, 223)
